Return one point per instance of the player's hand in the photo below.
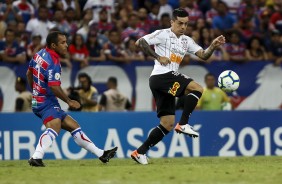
(218, 41)
(164, 60)
(74, 104)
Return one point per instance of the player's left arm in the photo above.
(29, 77)
(206, 54)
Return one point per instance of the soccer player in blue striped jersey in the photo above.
(43, 76)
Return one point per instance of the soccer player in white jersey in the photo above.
(166, 83)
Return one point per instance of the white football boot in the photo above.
(139, 158)
(186, 129)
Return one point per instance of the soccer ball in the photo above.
(228, 81)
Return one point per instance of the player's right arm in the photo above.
(152, 39)
(58, 92)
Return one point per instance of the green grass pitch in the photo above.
(204, 170)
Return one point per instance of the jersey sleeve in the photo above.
(155, 37)
(193, 47)
(54, 75)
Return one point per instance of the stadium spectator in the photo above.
(8, 12)
(248, 22)
(264, 24)
(74, 5)
(144, 22)
(274, 47)
(87, 16)
(223, 21)
(40, 25)
(72, 24)
(34, 46)
(96, 52)
(213, 97)
(235, 47)
(121, 16)
(193, 10)
(23, 100)
(78, 51)
(60, 23)
(10, 50)
(276, 18)
(46, 106)
(132, 29)
(97, 5)
(211, 13)
(88, 94)
(153, 15)
(115, 49)
(256, 50)
(133, 53)
(232, 6)
(22, 35)
(24, 9)
(164, 22)
(164, 8)
(112, 99)
(103, 25)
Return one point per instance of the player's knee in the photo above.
(168, 125)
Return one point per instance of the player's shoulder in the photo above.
(161, 32)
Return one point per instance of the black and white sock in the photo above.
(190, 102)
(155, 136)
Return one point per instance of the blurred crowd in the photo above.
(99, 30)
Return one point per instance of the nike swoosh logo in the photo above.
(138, 156)
(182, 128)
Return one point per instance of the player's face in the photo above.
(62, 47)
(179, 25)
(210, 82)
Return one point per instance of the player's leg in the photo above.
(45, 141)
(193, 93)
(166, 110)
(82, 140)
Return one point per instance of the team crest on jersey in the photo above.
(184, 43)
(174, 88)
(57, 76)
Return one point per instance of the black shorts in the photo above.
(165, 87)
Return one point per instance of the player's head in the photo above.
(112, 82)
(85, 81)
(57, 41)
(210, 80)
(179, 21)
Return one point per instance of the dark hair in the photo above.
(74, 39)
(209, 75)
(53, 37)
(85, 75)
(165, 15)
(113, 80)
(249, 44)
(21, 80)
(179, 12)
(113, 30)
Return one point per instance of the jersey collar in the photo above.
(52, 53)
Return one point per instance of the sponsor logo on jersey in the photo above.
(50, 75)
(174, 88)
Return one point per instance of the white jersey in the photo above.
(167, 44)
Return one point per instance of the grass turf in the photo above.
(160, 171)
